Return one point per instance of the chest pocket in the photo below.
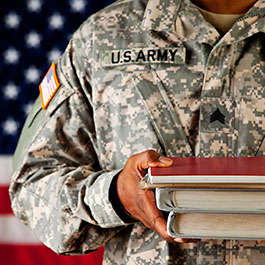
(249, 92)
(162, 114)
(232, 127)
(251, 126)
(122, 122)
(135, 114)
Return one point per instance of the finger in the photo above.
(162, 161)
(152, 217)
(152, 159)
(161, 229)
(185, 240)
(158, 222)
(160, 226)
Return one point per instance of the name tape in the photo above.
(143, 56)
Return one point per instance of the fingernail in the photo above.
(178, 239)
(164, 160)
(185, 240)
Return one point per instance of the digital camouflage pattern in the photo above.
(139, 75)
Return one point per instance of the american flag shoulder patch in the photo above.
(48, 86)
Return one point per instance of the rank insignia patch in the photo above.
(48, 86)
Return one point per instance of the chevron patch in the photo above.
(217, 116)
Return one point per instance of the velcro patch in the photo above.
(143, 56)
(48, 86)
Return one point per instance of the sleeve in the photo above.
(59, 188)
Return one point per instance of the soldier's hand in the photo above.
(141, 203)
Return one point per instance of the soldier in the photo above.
(139, 76)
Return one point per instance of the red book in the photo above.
(223, 170)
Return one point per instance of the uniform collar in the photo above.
(183, 18)
(160, 15)
(253, 22)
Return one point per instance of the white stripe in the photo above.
(50, 87)
(44, 84)
(5, 169)
(48, 93)
(53, 83)
(47, 88)
(43, 91)
(45, 94)
(13, 231)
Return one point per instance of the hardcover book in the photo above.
(221, 172)
(211, 200)
(214, 226)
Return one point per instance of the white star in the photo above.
(11, 91)
(33, 39)
(27, 108)
(77, 5)
(10, 126)
(11, 56)
(32, 74)
(12, 20)
(56, 21)
(53, 55)
(34, 5)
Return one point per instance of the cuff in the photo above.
(116, 203)
(97, 199)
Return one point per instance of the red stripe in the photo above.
(5, 205)
(41, 255)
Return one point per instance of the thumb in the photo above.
(165, 161)
(151, 158)
(161, 161)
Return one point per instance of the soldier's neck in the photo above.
(225, 6)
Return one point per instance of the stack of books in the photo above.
(221, 197)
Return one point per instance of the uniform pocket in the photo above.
(251, 127)
(122, 122)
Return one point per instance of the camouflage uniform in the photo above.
(139, 75)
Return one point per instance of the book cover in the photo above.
(210, 170)
(216, 226)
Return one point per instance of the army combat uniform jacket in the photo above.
(139, 75)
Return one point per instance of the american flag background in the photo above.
(33, 34)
